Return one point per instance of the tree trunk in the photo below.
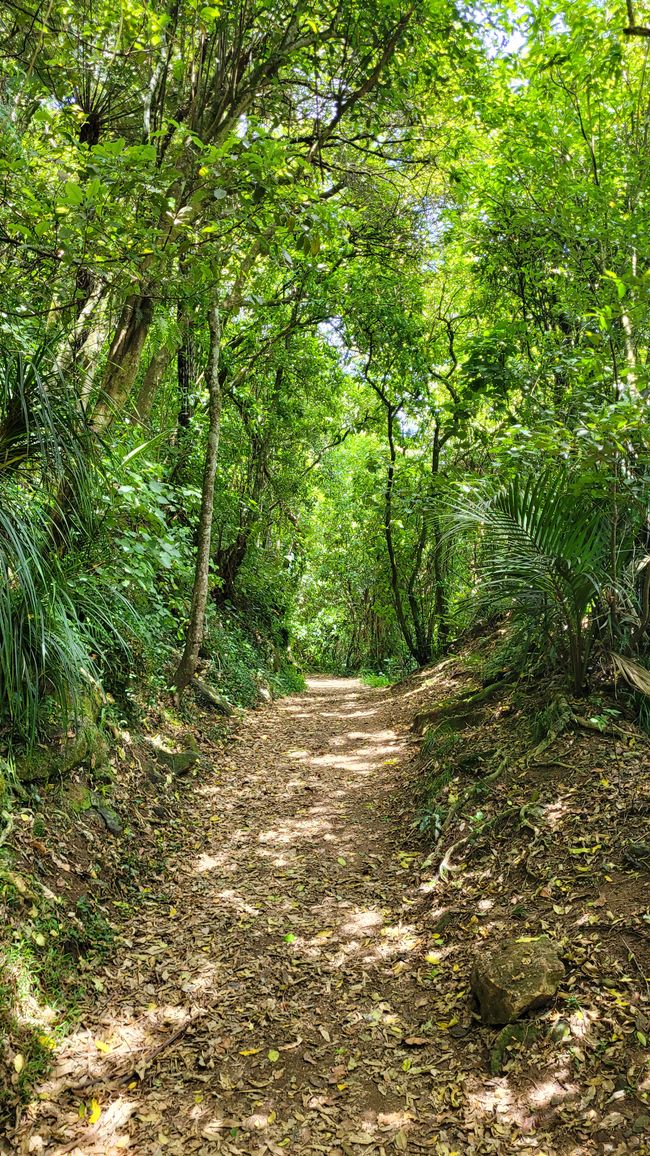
(228, 563)
(187, 665)
(388, 535)
(151, 381)
(186, 376)
(422, 633)
(123, 359)
(441, 599)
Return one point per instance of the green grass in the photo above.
(369, 678)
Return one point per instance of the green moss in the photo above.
(42, 765)
(44, 973)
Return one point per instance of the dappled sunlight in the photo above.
(231, 899)
(310, 828)
(554, 813)
(495, 1098)
(361, 924)
(286, 990)
(219, 862)
(551, 1092)
(348, 714)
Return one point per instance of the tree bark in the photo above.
(151, 381)
(123, 359)
(441, 600)
(186, 376)
(391, 412)
(196, 626)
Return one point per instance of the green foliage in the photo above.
(241, 659)
(443, 286)
(41, 985)
(55, 628)
(542, 553)
(369, 678)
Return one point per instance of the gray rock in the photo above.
(178, 762)
(516, 977)
(107, 813)
(211, 697)
(181, 762)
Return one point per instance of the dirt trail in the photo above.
(274, 999)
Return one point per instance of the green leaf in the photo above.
(73, 193)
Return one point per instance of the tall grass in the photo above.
(53, 628)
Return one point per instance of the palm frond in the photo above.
(541, 550)
(633, 673)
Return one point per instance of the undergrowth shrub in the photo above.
(241, 659)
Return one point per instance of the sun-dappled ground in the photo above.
(300, 989)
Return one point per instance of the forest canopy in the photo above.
(324, 334)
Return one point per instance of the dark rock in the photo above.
(516, 977)
(637, 856)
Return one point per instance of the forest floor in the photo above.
(301, 981)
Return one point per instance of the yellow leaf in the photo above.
(215, 818)
(250, 1051)
(95, 1112)
(432, 958)
(172, 912)
(272, 1117)
(273, 1056)
(19, 1062)
(102, 1047)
